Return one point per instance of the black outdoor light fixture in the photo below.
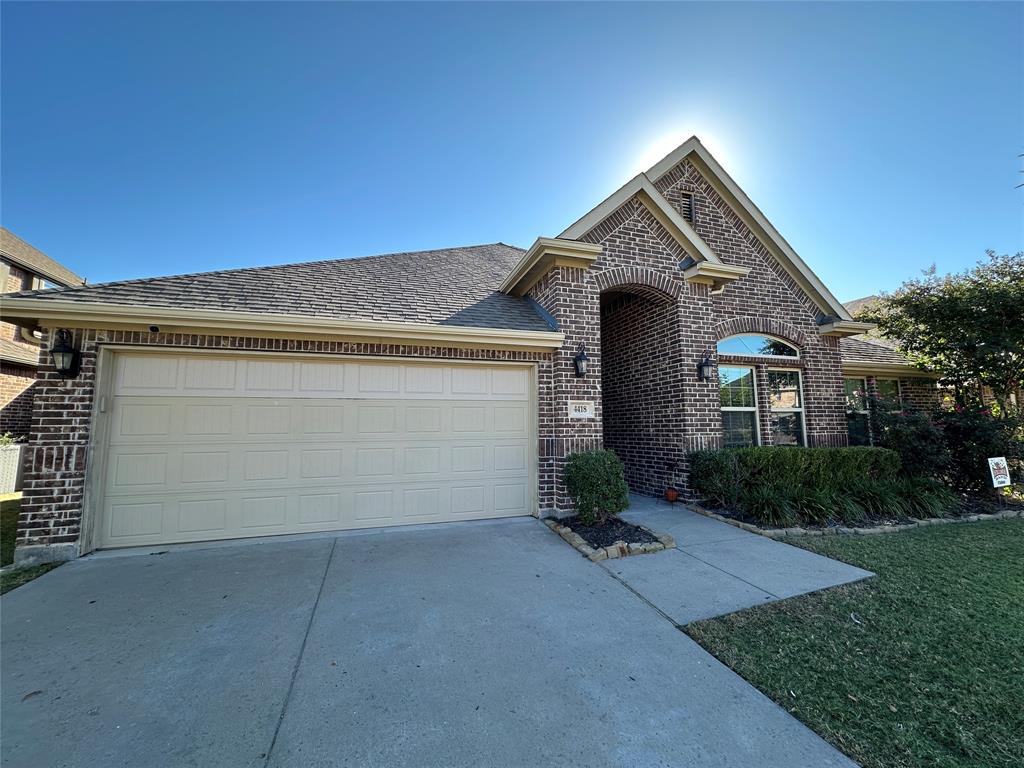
(580, 362)
(705, 368)
(64, 355)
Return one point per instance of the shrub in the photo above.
(719, 476)
(917, 440)
(778, 486)
(879, 498)
(597, 483)
(768, 504)
(972, 435)
(925, 497)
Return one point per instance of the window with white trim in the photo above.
(785, 406)
(739, 406)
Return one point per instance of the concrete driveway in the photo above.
(467, 644)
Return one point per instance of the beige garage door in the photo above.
(202, 447)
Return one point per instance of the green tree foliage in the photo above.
(967, 327)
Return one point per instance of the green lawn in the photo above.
(8, 529)
(921, 666)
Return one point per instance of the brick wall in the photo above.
(55, 461)
(571, 296)
(658, 336)
(17, 389)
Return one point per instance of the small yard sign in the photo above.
(581, 409)
(1000, 471)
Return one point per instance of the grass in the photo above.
(9, 508)
(921, 666)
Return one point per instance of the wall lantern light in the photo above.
(705, 368)
(580, 362)
(66, 358)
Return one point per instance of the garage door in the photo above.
(202, 447)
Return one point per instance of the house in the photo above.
(23, 268)
(432, 386)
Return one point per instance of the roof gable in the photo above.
(752, 216)
(643, 186)
(640, 187)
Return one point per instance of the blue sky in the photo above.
(146, 139)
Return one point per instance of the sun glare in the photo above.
(663, 143)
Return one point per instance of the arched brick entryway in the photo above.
(641, 390)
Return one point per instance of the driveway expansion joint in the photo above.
(302, 651)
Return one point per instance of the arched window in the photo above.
(756, 345)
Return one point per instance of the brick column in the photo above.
(701, 421)
(49, 525)
(570, 295)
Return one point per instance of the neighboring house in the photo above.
(23, 268)
(432, 386)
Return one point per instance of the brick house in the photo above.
(433, 386)
(23, 268)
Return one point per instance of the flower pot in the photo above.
(671, 495)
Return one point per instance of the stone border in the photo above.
(613, 551)
(778, 533)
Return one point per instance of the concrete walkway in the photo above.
(717, 568)
(467, 644)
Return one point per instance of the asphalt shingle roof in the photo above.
(859, 349)
(18, 250)
(452, 286)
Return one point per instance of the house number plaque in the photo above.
(581, 409)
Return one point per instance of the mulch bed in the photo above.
(607, 533)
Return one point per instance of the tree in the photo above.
(967, 327)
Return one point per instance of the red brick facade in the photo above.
(646, 329)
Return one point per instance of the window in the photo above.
(857, 411)
(739, 406)
(785, 406)
(888, 394)
(759, 346)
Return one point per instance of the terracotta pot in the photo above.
(671, 495)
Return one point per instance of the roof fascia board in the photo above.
(715, 275)
(640, 186)
(673, 158)
(35, 269)
(48, 313)
(544, 254)
(19, 358)
(845, 328)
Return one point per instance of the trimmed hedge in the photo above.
(781, 486)
(596, 480)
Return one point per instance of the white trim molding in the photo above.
(844, 328)
(751, 215)
(48, 313)
(640, 187)
(716, 275)
(545, 254)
